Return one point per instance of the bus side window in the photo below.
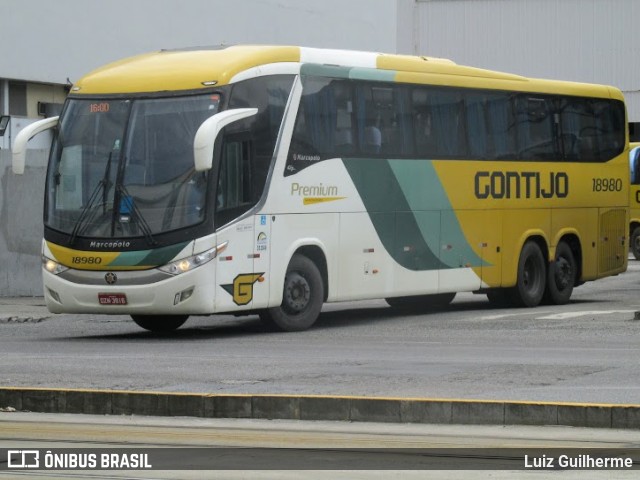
(233, 195)
(596, 129)
(384, 119)
(439, 125)
(324, 124)
(500, 126)
(610, 125)
(536, 132)
(477, 128)
(423, 127)
(635, 166)
(249, 144)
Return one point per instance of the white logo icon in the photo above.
(23, 458)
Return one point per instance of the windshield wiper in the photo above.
(127, 199)
(88, 213)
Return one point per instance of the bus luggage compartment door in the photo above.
(612, 248)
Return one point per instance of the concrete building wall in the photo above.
(21, 230)
(40, 92)
(579, 40)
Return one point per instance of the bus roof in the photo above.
(199, 68)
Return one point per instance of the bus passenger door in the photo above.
(236, 275)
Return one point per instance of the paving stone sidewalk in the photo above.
(23, 309)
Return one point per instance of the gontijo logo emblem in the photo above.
(521, 185)
(242, 287)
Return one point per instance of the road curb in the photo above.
(320, 407)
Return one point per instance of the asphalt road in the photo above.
(586, 351)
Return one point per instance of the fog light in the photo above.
(182, 296)
(54, 295)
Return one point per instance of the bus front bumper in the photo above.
(126, 293)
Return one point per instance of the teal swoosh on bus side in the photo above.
(411, 213)
(153, 257)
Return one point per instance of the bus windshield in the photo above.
(124, 167)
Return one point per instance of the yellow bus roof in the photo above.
(192, 69)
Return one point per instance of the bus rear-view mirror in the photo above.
(207, 133)
(19, 150)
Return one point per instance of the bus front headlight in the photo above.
(52, 266)
(190, 263)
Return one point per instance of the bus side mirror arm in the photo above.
(19, 150)
(207, 132)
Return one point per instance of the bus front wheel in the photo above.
(160, 323)
(532, 276)
(302, 297)
(561, 277)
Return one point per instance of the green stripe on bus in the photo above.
(359, 73)
(352, 73)
(410, 210)
(424, 192)
(316, 70)
(154, 257)
(395, 223)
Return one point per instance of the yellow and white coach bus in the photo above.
(634, 199)
(274, 179)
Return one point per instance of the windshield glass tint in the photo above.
(105, 182)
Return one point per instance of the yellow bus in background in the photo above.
(634, 199)
(272, 179)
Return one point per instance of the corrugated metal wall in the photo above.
(579, 40)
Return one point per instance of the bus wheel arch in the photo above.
(318, 257)
(303, 293)
(531, 277)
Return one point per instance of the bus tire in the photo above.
(160, 323)
(437, 300)
(302, 297)
(561, 277)
(532, 277)
(635, 243)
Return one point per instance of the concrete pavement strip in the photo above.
(23, 309)
(319, 407)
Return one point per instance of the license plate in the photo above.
(112, 299)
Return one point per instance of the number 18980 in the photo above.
(606, 184)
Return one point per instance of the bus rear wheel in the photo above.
(160, 323)
(437, 300)
(532, 276)
(561, 277)
(302, 297)
(635, 243)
